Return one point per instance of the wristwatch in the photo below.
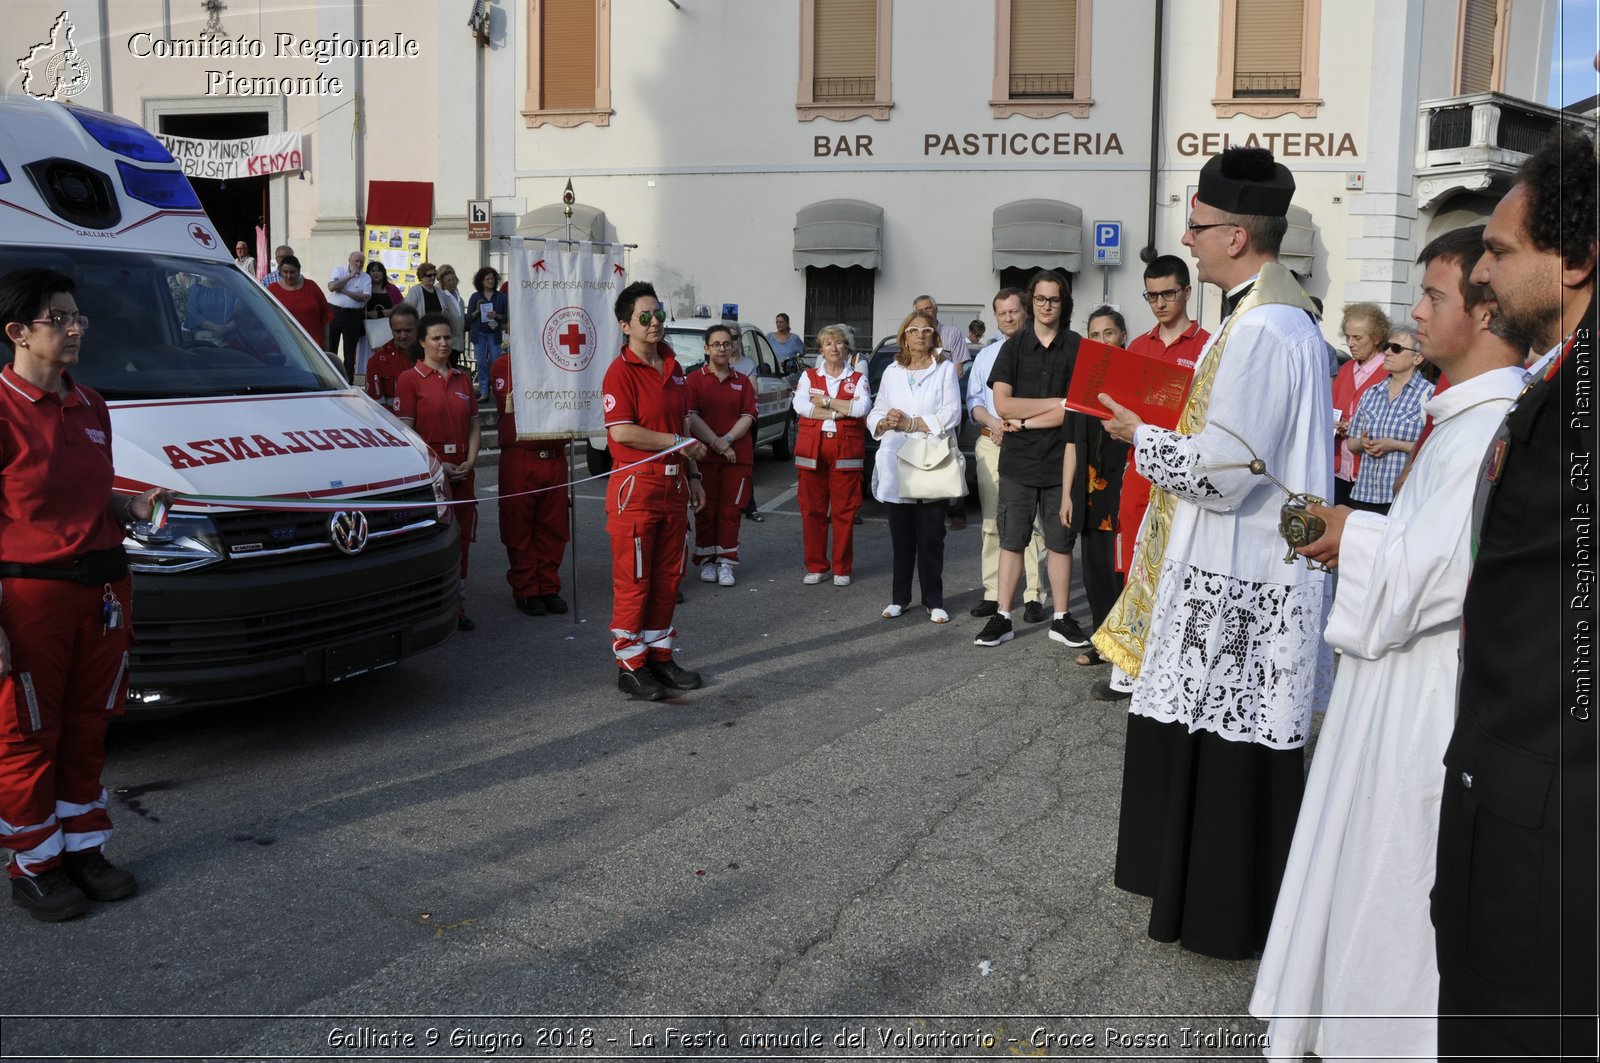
(1023, 424)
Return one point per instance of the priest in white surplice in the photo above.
(1351, 933)
(1225, 639)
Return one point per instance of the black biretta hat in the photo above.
(1246, 181)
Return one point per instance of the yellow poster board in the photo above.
(400, 248)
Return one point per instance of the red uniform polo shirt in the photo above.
(442, 405)
(720, 403)
(1184, 351)
(638, 394)
(384, 369)
(55, 465)
(500, 385)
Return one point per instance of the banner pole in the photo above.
(572, 527)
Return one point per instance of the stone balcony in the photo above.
(1476, 143)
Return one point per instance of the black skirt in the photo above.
(1204, 832)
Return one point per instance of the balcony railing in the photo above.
(1477, 142)
(861, 88)
(1271, 84)
(1045, 86)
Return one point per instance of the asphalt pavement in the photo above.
(862, 837)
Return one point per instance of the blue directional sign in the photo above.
(1108, 243)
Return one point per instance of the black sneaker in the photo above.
(1104, 691)
(99, 878)
(987, 607)
(534, 606)
(1067, 630)
(49, 896)
(996, 631)
(555, 604)
(640, 685)
(672, 675)
(1033, 613)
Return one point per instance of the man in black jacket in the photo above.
(1514, 895)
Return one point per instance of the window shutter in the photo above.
(845, 62)
(566, 63)
(1269, 40)
(1477, 45)
(1044, 47)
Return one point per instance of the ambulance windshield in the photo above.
(165, 327)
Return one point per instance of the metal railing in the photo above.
(1283, 84)
(861, 88)
(1053, 86)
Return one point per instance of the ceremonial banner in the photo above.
(562, 335)
(222, 160)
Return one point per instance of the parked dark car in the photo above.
(883, 355)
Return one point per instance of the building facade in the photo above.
(834, 159)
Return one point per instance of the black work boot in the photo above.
(674, 676)
(99, 878)
(49, 896)
(640, 685)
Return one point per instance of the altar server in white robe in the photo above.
(1224, 637)
(1351, 934)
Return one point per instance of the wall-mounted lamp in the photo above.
(478, 22)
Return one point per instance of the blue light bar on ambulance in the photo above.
(4, 177)
(120, 135)
(168, 189)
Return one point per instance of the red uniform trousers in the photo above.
(716, 527)
(830, 494)
(534, 527)
(68, 677)
(1131, 504)
(647, 517)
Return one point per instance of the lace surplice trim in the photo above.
(1173, 466)
(1244, 660)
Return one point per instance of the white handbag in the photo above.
(930, 467)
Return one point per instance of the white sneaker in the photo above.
(725, 574)
(708, 573)
(841, 581)
(814, 578)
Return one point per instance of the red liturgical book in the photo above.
(1153, 388)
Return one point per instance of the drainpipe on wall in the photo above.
(1148, 253)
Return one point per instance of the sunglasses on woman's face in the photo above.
(1396, 348)
(646, 316)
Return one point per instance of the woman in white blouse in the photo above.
(919, 393)
(830, 401)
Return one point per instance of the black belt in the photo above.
(97, 566)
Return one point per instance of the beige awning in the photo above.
(588, 223)
(838, 232)
(1038, 232)
(1299, 248)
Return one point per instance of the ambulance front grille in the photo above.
(240, 640)
(263, 535)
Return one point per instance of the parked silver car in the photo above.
(776, 425)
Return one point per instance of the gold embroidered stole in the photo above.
(1121, 637)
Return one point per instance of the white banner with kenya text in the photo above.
(563, 334)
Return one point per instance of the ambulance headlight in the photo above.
(441, 493)
(188, 542)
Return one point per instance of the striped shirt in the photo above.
(1379, 418)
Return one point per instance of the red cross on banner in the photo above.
(573, 339)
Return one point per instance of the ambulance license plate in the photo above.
(359, 658)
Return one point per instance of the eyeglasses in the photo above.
(1192, 227)
(923, 329)
(646, 316)
(60, 320)
(1165, 295)
(1396, 348)
(426, 276)
(1047, 300)
(721, 345)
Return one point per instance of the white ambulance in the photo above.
(232, 600)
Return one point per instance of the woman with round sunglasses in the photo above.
(829, 454)
(917, 394)
(438, 400)
(486, 320)
(725, 401)
(1388, 421)
(66, 610)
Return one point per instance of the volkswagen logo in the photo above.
(348, 530)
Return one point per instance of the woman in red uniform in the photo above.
(647, 507)
(725, 400)
(440, 402)
(65, 608)
(829, 456)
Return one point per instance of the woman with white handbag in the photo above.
(918, 468)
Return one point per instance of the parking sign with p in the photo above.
(1108, 243)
